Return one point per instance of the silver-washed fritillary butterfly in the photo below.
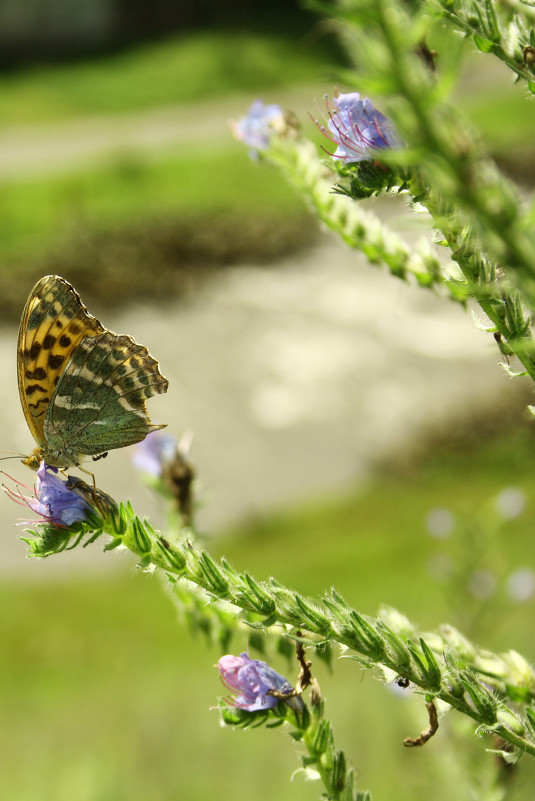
(83, 388)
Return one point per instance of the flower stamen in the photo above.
(357, 128)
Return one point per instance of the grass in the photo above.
(104, 696)
(134, 198)
(167, 221)
(131, 201)
(182, 69)
(154, 205)
(130, 188)
(376, 544)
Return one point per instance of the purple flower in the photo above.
(154, 452)
(258, 126)
(357, 128)
(55, 502)
(167, 469)
(252, 679)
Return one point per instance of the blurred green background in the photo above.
(104, 696)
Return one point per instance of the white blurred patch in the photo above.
(275, 405)
(440, 522)
(521, 584)
(301, 375)
(510, 503)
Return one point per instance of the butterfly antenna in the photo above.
(14, 455)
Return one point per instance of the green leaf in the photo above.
(509, 757)
(260, 599)
(518, 694)
(312, 615)
(483, 700)
(213, 574)
(433, 670)
(492, 20)
(485, 45)
(530, 716)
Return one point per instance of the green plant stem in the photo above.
(361, 229)
(444, 665)
(476, 210)
(458, 14)
(500, 302)
(488, 198)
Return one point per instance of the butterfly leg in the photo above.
(89, 473)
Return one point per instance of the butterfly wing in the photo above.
(100, 399)
(54, 322)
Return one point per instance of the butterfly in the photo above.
(83, 389)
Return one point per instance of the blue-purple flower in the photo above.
(357, 128)
(155, 452)
(251, 680)
(259, 125)
(165, 462)
(53, 500)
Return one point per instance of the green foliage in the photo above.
(138, 225)
(185, 69)
(506, 32)
(130, 189)
(130, 213)
(442, 168)
(477, 214)
(480, 217)
(470, 680)
(59, 638)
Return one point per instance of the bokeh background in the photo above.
(348, 430)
